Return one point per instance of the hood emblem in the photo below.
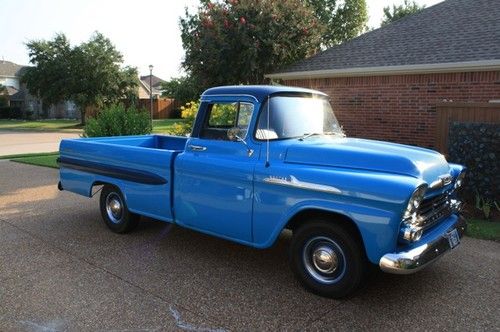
(443, 180)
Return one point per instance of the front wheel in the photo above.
(114, 211)
(327, 259)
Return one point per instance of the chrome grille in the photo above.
(433, 210)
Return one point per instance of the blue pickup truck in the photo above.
(262, 159)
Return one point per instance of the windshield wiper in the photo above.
(306, 135)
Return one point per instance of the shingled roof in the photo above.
(453, 33)
(10, 69)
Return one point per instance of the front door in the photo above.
(213, 184)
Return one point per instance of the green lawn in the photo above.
(165, 125)
(159, 126)
(49, 125)
(483, 229)
(38, 159)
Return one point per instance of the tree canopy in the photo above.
(397, 12)
(183, 89)
(342, 20)
(90, 74)
(238, 41)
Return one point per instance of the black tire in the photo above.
(327, 259)
(118, 219)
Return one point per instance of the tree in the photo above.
(183, 89)
(397, 12)
(3, 96)
(89, 74)
(238, 41)
(342, 20)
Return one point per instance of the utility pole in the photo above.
(151, 93)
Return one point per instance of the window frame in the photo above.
(208, 113)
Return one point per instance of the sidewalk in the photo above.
(21, 142)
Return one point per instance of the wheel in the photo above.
(327, 259)
(114, 211)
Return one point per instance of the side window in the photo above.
(244, 116)
(223, 116)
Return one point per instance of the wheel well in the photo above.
(338, 218)
(97, 183)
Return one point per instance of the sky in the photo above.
(145, 32)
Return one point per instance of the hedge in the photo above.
(7, 112)
(477, 146)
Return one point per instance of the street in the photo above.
(62, 269)
(20, 142)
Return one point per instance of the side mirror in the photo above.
(234, 134)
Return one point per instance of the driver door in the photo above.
(213, 184)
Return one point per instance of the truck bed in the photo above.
(141, 166)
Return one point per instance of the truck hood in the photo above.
(369, 155)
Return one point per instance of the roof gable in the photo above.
(11, 69)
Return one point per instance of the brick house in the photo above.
(17, 96)
(389, 83)
(23, 102)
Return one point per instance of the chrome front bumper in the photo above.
(407, 262)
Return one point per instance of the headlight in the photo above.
(414, 202)
(460, 180)
(411, 233)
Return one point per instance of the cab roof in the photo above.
(260, 92)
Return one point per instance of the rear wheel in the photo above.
(327, 259)
(114, 210)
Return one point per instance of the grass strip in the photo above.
(483, 229)
(23, 155)
(45, 160)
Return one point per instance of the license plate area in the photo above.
(453, 238)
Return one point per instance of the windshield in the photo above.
(297, 117)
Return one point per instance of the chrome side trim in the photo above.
(407, 262)
(443, 180)
(292, 181)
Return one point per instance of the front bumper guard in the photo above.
(407, 262)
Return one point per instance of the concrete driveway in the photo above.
(18, 142)
(61, 269)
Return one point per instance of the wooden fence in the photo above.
(163, 108)
(462, 112)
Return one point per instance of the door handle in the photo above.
(197, 147)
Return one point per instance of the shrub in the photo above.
(223, 114)
(188, 113)
(116, 120)
(8, 112)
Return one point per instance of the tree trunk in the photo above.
(82, 115)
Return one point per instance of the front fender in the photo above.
(378, 228)
(374, 201)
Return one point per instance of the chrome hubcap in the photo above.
(324, 260)
(114, 208)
